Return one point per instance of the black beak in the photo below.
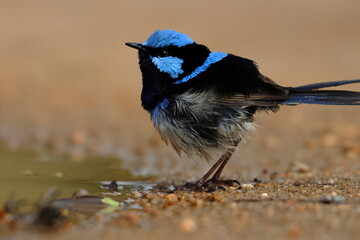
(137, 46)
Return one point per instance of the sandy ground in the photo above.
(68, 84)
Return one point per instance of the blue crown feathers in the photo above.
(164, 38)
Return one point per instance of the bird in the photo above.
(203, 103)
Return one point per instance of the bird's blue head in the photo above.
(166, 58)
(165, 38)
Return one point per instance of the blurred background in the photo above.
(69, 86)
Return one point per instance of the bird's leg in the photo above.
(216, 177)
(218, 163)
(205, 184)
(226, 156)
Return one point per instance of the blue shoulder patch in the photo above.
(164, 38)
(211, 59)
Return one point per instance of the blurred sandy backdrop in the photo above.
(69, 85)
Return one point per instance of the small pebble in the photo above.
(196, 202)
(246, 186)
(80, 193)
(112, 186)
(136, 195)
(337, 199)
(256, 180)
(171, 198)
(264, 195)
(188, 225)
(299, 167)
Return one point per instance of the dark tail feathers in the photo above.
(309, 94)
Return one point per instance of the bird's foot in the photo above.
(210, 185)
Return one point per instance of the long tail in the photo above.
(310, 94)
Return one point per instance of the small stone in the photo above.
(332, 181)
(337, 199)
(132, 217)
(264, 195)
(196, 202)
(247, 186)
(188, 225)
(147, 205)
(161, 195)
(112, 186)
(136, 195)
(299, 167)
(298, 183)
(256, 180)
(219, 197)
(171, 198)
(80, 193)
(149, 196)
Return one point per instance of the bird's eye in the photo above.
(163, 53)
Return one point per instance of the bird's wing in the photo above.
(255, 99)
(241, 83)
(235, 81)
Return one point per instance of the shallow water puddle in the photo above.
(27, 174)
